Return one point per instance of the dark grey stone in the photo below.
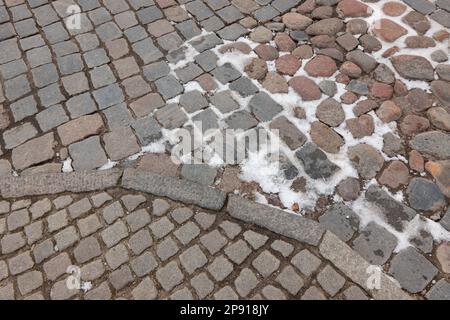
(226, 73)
(315, 162)
(341, 220)
(440, 291)
(396, 213)
(412, 270)
(244, 86)
(434, 143)
(199, 173)
(425, 195)
(264, 107)
(147, 130)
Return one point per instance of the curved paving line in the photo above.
(278, 221)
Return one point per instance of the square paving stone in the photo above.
(207, 60)
(199, 10)
(135, 34)
(51, 117)
(126, 67)
(212, 24)
(65, 48)
(412, 270)
(330, 280)
(55, 33)
(230, 14)
(160, 27)
(12, 69)
(118, 116)
(206, 120)
(147, 104)
(120, 278)
(26, 28)
(108, 96)
(244, 86)
(81, 105)
(147, 130)
(125, 20)
(70, 64)
(202, 285)
(171, 116)
(102, 76)
(156, 70)
(224, 101)
(241, 120)
(44, 75)
(193, 259)
(147, 51)
(23, 108)
(169, 87)
(144, 264)
(264, 107)
(265, 13)
(39, 56)
(290, 280)
(188, 72)
(50, 95)
(306, 262)
(120, 143)
(341, 220)
(87, 154)
(76, 83)
(87, 41)
(95, 58)
(99, 16)
(136, 86)
(193, 101)
(17, 87)
(226, 73)
(108, 31)
(375, 244)
(167, 249)
(206, 42)
(188, 29)
(9, 51)
(245, 282)
(232, 32)
(170, 41)
(149, 14)
(169, 276)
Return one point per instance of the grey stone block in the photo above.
(176, 189)
(296, 227)
(341, 220)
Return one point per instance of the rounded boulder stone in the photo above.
(306, 88)
(321, 66)
(288, 64)
(256, 69)
(325, 137)
(395, 175)
(349, 189)
(275, 83)
(296, 21)
(367, 160)
(330, 112)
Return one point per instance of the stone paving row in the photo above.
(131, 246)
(102, 93)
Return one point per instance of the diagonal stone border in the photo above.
(283, 223)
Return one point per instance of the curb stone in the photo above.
(279, 221)
(355, 267)
(54, 183)
(174, 188)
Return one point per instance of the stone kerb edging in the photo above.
(174, 188)
(54, 183)
(278, 221)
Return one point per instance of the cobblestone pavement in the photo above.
(359, 92)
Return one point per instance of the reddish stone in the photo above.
(296, 21)
(207, 82)
(381, 91)
(256, 69)
(412, 124)
(395, 175)
(303, 52)
(306, 88)
(307, 7)
(388, 30)
(443, 256)
(349, 98)
(391, 51)
(400, 89)
(343, 78)
(360, 127)
(239, 46)
(266, 52)
(323, 41)
(416, 161)
(159, 163)
(440, 170)
(325, 137)
(321, 66)
(284, 42)
(353, 9)
(394, 9)
(441, 35)
(350, 69)
(389, 111)
(288, 64)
